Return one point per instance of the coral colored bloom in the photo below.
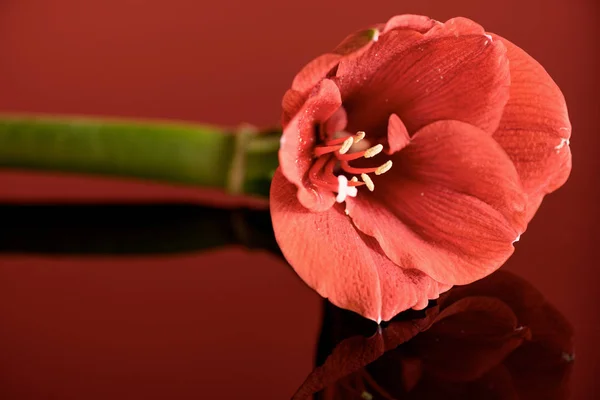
(412, 158)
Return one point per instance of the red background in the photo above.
(227, 324)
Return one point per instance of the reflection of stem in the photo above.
(131, 229)
(381, 391)
(240, 228)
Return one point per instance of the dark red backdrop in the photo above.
(226, 324)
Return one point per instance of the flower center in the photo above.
(333, 160)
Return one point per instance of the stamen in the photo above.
(322, 150)
(373, 151)
(367, 180)
(384, 168)
(370, 152)
(346, 145)
(351, 170)
(336, 141)
(377, 170)
(333, 154)
(329, 167)
(354, 182)
(318, 165)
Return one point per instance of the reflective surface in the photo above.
(118, 320)
(179, 301)
(494, 339)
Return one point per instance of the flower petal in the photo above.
(456, 26)
(317, 69)
(398, 137)
(451, 206)
(339, 262)
(336, 123)
(291, 103)
(298, 140)
(535, 127)
(454, 71)
(314, 71)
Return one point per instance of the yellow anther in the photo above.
(384, 168)
(367, 180)
(346, 145)
(373, 151)
(354, 179)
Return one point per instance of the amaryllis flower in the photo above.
(412, 157)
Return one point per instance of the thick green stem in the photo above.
(198, 155)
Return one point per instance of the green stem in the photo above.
(189, 154)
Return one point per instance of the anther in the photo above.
(384, 168)
(354, 179)
(373, 151)
(346, 145)
(360, 135)
(367, 180)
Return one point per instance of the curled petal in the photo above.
(456, 26)
(417, 23)
(451, 206)
(298, 141)
(317, 69)
(339, 262)
(535, 127)
(314, 71)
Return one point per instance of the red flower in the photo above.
(441, 140)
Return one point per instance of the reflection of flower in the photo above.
(441, 140)
(494, 339)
